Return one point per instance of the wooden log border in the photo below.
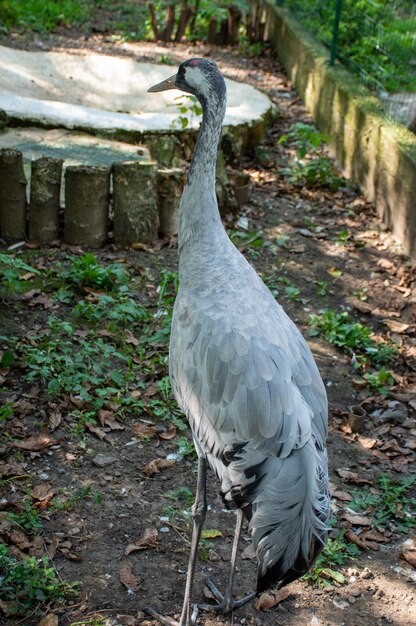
(37, 216)
(143, 205)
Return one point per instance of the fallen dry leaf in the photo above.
(351, 536)
(269, 599)
(410, 557)
(128, 577)
(54, 419)
(107, 418)
(367, 442)
(357, 520)
(9, 608)
(344, 496)
(352, 477)
(249, 553)
(396, 327)
(12, 469)
(142, 431)
(130, 338)
(149, 539)
(127, 620)
(49, 620)
(168, 434)
(98, 432)
(19, 539)
(155, 466)
(374, 535)
(35, 443)
(42, 491)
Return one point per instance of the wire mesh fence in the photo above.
(375, 39)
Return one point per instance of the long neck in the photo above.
(199, 208)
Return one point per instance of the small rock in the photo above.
(352, 600)
(213, 556)
(102, 460)
(340, 603)
(354, 590)
(366, 573)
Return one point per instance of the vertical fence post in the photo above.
(335, 32)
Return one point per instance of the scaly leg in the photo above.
(199, 510)
(225, 603)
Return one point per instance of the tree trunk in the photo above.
(184, 18)
(45, 190)
(135, 202)
(170, 184)
(212, 30)
(194, 16)
(153, 21)
(3, 119)
(12, 194)
(87, 190)
(234, 19)
(170, 22)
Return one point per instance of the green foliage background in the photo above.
(377, 39)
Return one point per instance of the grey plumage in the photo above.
(242, 372)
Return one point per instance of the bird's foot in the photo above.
(189, 619)
(225, 603)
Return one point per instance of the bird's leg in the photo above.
(199, 510)
(225, 603)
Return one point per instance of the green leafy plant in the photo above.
(343, 331)
(86, 366)
(390, 503)
(12, 268)
(336, 553)
(309, 167)
(86, 271)
(376, 39)
(182, 495)
(381, 380)
(186, 447)
(30, 583)
(42, 15)
(6, 411)
(68, 502)
(323, 286)
(188, 108)
(251, 242)
(113, 310)
(28, 519)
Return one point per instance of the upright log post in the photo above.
(12, 194)
(45, 190)
(135, 202)
(87, 191)
(170, 184)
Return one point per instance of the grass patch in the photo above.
(336, 553)
(343, 331)
(389, 504)
(30, 584)
(309, 167)
(42, 15)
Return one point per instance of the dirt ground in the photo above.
(366, 274)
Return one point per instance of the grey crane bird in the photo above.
(245, 378)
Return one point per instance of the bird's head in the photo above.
(200, 77)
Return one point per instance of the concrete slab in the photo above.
(98, 92)
(74, 148)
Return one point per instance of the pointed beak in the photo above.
(169, 83)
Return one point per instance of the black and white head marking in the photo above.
(201, 78)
